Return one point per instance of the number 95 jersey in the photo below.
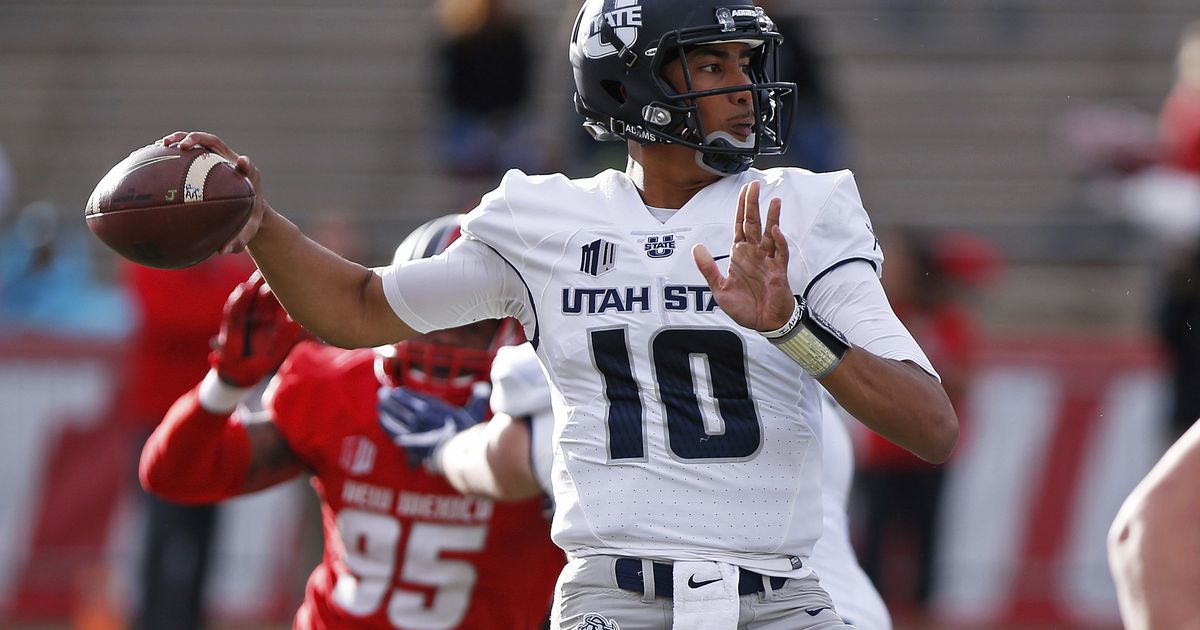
(403, 549)
(679, 435)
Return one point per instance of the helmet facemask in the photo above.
(720, 151)
(438, 365)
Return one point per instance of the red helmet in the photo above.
(443, 363)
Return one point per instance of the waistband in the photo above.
(629, 577)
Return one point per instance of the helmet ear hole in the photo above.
(615, 90)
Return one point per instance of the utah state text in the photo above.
(675, 297)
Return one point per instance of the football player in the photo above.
(402, 548)
(1154, 543)
(687, 459)
(509, 458)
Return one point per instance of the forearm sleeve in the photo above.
(195, 456)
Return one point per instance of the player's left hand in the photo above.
(419, 423)
(756, 293)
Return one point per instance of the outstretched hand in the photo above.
(190, 139)
(756, 293)
(256, 334)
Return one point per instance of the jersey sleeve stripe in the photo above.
(830, 268)
(537, 328)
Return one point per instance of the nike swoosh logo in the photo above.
(813, 612)
(694, 584)
(721, 257)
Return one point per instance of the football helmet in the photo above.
(444, 363)
(618, 51)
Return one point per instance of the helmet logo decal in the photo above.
(623, 16)
(725, 18)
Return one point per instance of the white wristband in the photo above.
(786, 327)
(218, 397)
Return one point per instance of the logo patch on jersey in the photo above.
(358, 455)
(595, 621)
(660, 246)
(623, 16)
(598, 257)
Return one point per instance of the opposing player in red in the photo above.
(402, 548)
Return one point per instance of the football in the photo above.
(168, 208)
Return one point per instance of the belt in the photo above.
(629, 578)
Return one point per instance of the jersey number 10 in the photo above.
(674, 355)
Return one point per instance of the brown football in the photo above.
(168, 208)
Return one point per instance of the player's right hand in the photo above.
(256, 334)
(190, 139)
(420, 423)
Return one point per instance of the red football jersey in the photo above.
(402, 548)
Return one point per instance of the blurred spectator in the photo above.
(1118, 151)
(46, 279)
(923, 278)
(1107, 140)
(7, 188)
(1179, 317)
(485, 76)
(47, 284)
(1180, 118)
(180, 311)
(1147, 172)
(816, 136)
(1180, 314)
(1144, 170)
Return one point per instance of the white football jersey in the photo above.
(833, 557)
(520, 389)
(680, 435)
